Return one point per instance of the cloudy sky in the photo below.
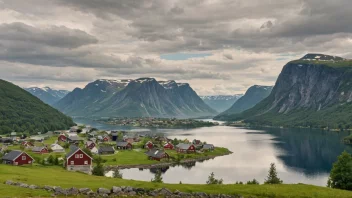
(218, 46)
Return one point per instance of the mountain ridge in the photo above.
(47, 94)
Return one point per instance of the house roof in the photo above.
(56, 147)
(208, 146)
(155, 153)
(168, 144)
(38, 148)
(89, 143)
(122, 143)
(106, 149)
(74, 138)
(183, 146)
(73, 151)
(12, 155)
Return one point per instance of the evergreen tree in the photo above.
(213, 180)
(254, 181)
(272, 176)
(341, 173)
(157, 177)
(98, 170)
(56, 161)
(117, 174)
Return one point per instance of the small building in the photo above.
(123, 145)
(90, 145)
(149, 145)
(37, 138)
(74, 129)
(78, 160)
(27, 144)
(106, 150)
(13, 134)
(196, 142)
(106, 138)
(62, 138)
(40, 149)
(94, 150)
(155, 154)
(208, 147)
(74, 139)
(17, 158)
(169, 145)
(114, 136)
(185, 148)
(56, 148)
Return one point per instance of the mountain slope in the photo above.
(47, 95)
(252, 96)
(314, 91)
(21, 111)
(144, 97)
(221, 102)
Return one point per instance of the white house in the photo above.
(57, 148)
(94, 150)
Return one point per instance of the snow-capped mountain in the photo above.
(46, 94)
(221, 102)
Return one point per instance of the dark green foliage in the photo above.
(239, 182)
(253, 182)
(23, 112)
(56, 161)
(341, 173)
(157, 178)
(272, 176)
(98, 170)
(50, 160)
(117, 174)
(212, 180)
(88, 152)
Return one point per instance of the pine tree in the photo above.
(157, 177)
(117, 174)
(341, 173)
(272, 176)
(212, 180)
(98, 170)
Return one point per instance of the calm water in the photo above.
(300, 155)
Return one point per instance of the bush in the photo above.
(341, 173)
(117, 174)
(157, 177)
(272, 176)
(253, 182)
(212, 180)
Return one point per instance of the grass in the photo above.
(56, 176)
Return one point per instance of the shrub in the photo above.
(341, 173)
(253, 182)
(212, 180)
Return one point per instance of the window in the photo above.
(23, 157)
(85, 162)
(77, 156)
(72, 162)
(80, 155)
(29, 162)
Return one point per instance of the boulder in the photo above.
(116, 189)
(132, 193)
(177, 192)
(85, 191)
(23, 185)
(48, 188)
(165, 192)
(102, 191)
(59, 191)
(33, 187)
(128, 189)
(9, 182)
(72, 191)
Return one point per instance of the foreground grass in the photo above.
(57, 176)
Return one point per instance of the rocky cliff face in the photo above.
(307, 88)
(46, 94)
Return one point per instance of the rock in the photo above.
(92, 194)
(201, 194)
(102, 191)
(177, 192)
(116, 189)
(23, 185)
(165, 192)
(132, 193)
(59, 191)
(9, 182)
(85, 191)
(72, 191)
(128, 189)
(48, 188)
(140, 191)
(33, 187)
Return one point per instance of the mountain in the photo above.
(21, 111)
(252, 96)
(314, 91)
(221, 102)
(143, 97)
(47, 95)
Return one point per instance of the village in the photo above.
(78, 148)
(159, 122)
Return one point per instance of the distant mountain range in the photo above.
(221, 103)
(314, 91)
(143, 97)
(252, 96)
(47, 95)
(21, 111)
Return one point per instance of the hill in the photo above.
(21, 111)
(220, 103)
(143, 97)
(47, 95)
(314, 91)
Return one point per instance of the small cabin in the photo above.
(169, 146)
(185, 148)
(17, 158)
(62, 138)
(78, 160)
(155, 154)
(40, 150)
(123, 145)
(90, 145)
(27, 144)
(106, 150)
(149, 145)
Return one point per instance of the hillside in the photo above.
(252, 96)
(220, 103)
(311, 92)
(47, 95)
(143, 97)
(21, 111)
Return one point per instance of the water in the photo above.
(300, 155)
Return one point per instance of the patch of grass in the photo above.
(56, 176)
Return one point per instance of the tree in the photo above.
(157, 177)
(254, 181)
(98, 170)
(272, 176)
(117, 174)
(56, 161)
(50, 160)
(212, 180)
(341, 173)
(88, 152)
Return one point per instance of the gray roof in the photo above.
(106, 149)
(155, 153)
(121, 143)
(183, 146)
(12, 155)
(74, 138)
(208, 146)
(38, 148)
(72, 151)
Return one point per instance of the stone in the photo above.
(85, 191)
(128, 189)
(59, 191)
(177, 192)
(23, 185)
(33, 187)
(140, 190)
(165, 192)
(72, 191)
(201, 194)
(116, 189)
(132, 193)
(102, 191)
(48, 188)
(9, 182)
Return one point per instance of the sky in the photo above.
(218, 46)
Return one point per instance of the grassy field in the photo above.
(57, 176)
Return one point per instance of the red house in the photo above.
(62, 138)
(169, 146)
(78, 160)
(90, 145)
(149, 145)
(27, 144)
(155, 154)
(106, 139)
(186, 148)
(17, 158)
(40, 150)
